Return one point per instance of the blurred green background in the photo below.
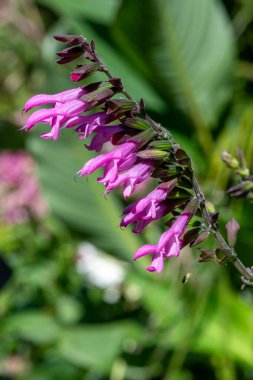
(72, 306)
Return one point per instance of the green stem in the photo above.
(229, 252)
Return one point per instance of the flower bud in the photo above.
(69, 39)
(229, 160)
(136, 123)
(210, 207)
(182, 157)
(167, 171)
(117, 83)
(64, 60)
(206, 255)
(153, 154)
(84, 71)
(241, 189)
(243, 172)
(119, 106)
(71, 52)
(202, 237)
(94, 99)
(232, 228)
(161, 145)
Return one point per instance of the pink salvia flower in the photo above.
(61, 97)
(104, 133)
(148, 208)
(88, 123)
(121, 158)
(130, 179)
(56, 116)
(169, 245)
(161, 210)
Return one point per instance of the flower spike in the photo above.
(140, 149)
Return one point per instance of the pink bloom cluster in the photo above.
(20, 197)
(169, 245)
(130, 163)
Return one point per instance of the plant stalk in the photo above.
(229, 253)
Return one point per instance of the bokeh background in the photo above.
(72, 306)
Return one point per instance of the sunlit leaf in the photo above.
(188, 50)
(33, 326)
(95, 346)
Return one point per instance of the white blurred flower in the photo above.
(101, 270)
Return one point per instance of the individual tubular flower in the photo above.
(68, 106)
(161, 210)
(61, 97)
(130, 179)
(104, 133)
(56, 116)
(86, 124)
(170, 243)
(148, 208)
(121, 158)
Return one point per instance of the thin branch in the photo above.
(230, 254)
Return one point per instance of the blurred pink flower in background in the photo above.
(20, 197)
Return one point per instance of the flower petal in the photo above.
(157, 263)
(146, 249)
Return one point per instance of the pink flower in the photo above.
(169, 244)
(20, 196)
(68, 107)
(130, 179)
(121, 158)
(148, 208)
(161, 210)
(88, 123)
(104, 133)
(61, 97)
(56, 116)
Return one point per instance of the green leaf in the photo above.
(52, 368)
(32, 326)
(37, 275)
(96, 346)
(187, 49)
(101, 11)
(226, 327)
(80, 203)
(69, 310)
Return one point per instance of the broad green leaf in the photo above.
(33, 326)
(187, 48)
(101, 11)
(96, 346)
(80, 203)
